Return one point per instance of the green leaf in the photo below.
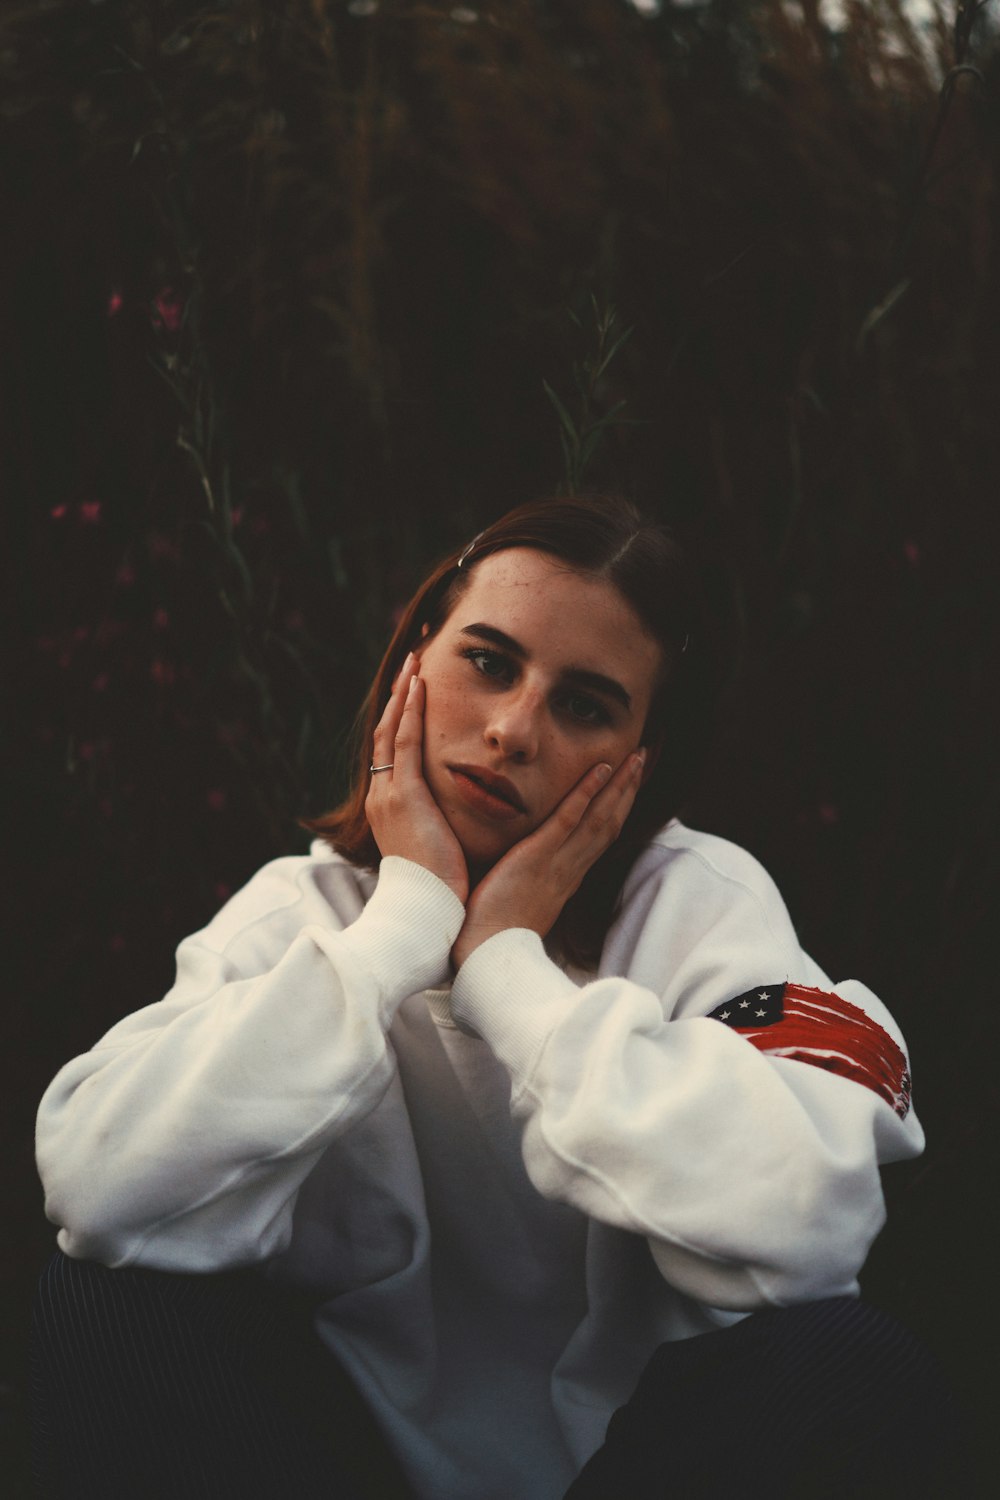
(305, 735)
(619, 341)
(228, 605)
(335, 549)
(564, 415)
(242, 568)
(883, 309)
(590, 445)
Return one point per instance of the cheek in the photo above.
(567, 763)
(447, 708)
(572, 761)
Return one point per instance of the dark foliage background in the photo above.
(283, 282)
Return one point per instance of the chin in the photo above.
(481, 855)
(482, 847)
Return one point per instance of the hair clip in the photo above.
(469, 549)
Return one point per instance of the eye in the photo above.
(492, 664)
(585, 710)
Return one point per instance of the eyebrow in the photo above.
(597, 682)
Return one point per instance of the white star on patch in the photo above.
(724, 1016)
(744, 1004)
(764, 995)
(762, 1013)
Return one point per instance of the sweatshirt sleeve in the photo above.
(181, 1139)
(748, 1160)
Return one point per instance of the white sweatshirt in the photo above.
(507, 1195)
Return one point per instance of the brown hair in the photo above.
(604, 538)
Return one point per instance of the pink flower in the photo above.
(912, 553)
(160, 619)
(162, 546)
(100, 683)
(87, 751)
(236, 514)
(216, 800)
(125, 575)
(222, 891)
(169, 308)
(81, 632)
(58, 512)
(828, 814)
(115, 302)
(90, 512)
(162, 672)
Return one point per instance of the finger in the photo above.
(389, 722)
(598, 785)
(407, 752)
(385, 731)
(402, 677)
(594, 813)
(609, 812)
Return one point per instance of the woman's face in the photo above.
(538, 674)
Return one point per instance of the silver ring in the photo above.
(374, 769)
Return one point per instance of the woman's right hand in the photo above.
(402, 813)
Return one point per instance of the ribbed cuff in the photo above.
(403, 938)
(512, 994)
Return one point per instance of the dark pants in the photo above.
(158, 1387)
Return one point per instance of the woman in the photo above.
(526, 1090)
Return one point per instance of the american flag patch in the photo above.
(818, 1027)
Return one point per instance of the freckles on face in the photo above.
(538, 674)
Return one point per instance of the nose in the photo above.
(514, 726)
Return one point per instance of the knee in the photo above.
(80, 1301)
(820, 1399)
(850, 1345)
(852, 1377)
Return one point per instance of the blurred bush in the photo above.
(285, 284)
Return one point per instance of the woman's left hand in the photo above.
(531, 884)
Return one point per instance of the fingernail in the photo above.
(412, 687)
(640, 759)
(408, 663)
(602, 772)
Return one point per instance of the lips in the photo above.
(497, 788)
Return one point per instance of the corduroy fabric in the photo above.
(827, 1400)
(148, 1386)
(182, 1387)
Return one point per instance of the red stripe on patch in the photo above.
(823, 1029)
